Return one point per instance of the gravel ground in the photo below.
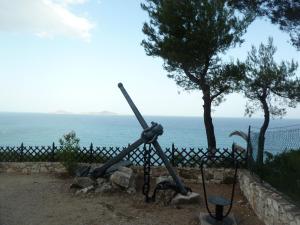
(47, 200)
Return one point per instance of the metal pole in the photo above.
(165, 160)
(133, 107)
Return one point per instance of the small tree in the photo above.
(269, 86)
(190, 36)
(69, 146)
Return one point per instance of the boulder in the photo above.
(82, 171)
(190, 198)
(104, 188)
(82, 182)
(85, 190)
(131, 190)
(101, 181)
(164, 178)
(118, 166)
(123, 178)
(164, 197)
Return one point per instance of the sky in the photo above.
(70, 55)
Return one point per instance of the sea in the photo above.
(38, 129)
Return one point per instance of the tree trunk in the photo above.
(209, 127)
(262, 132)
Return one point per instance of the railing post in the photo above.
(91, 153)
(22, 152)
(173, 155)
(128, 155)
(53, 152)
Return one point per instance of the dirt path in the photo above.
(46, 200)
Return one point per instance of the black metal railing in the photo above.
(180, 157)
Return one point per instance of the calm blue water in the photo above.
(43, 129)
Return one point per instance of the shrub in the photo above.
(68, 152)
(177, 159)
(282, 171)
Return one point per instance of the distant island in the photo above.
(101, 113)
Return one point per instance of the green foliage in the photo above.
(68, 152)
(190, 36)
(269, 86)
(267, 80)
(282, 171)
(177, 159)
(284, 13)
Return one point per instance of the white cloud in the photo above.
(44, 18)
(74, 1)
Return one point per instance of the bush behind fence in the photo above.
(184, 157)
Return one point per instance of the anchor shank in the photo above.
(169, 167)
(155, 143)
(133, 107)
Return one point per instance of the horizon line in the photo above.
(118, 114)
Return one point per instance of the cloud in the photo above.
(44, 18)
(74, 1)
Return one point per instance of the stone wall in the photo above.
(32, 167)
(269, 205)
(218, 175)
(212, 175)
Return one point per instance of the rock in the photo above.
(85, 190)
(101, 181)
(131, 190)
(164, 197)
(159, 171)
(95, 166)
(82, 182)
(219, 175)
(44, 169)
(241, 202)
(190, 198)
(121, 179)
(117, 166)
(104, 188)
(164, 178)
(25, 171)
(188, 173)
(60, 170)
(82, 171)
(126, 170)
(124, 178)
